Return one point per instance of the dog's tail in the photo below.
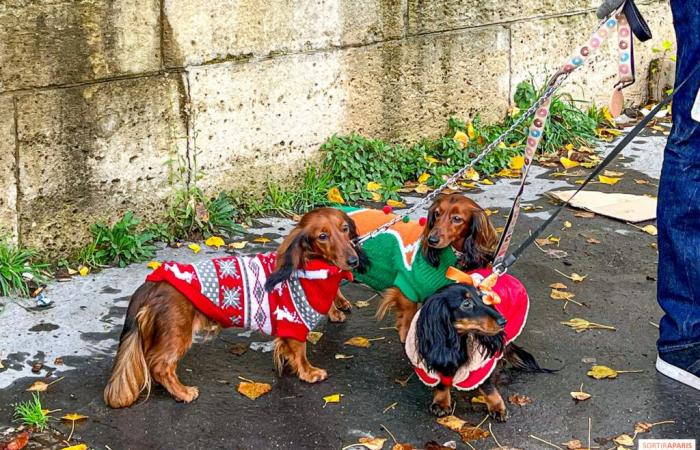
(389, 302)
(521, 359)
(130, 374)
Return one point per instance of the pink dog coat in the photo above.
(231, 291)
(514, 307)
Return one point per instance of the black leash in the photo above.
(510, 259)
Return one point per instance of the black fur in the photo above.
(299, 245)
(439, 344)
(432, 255)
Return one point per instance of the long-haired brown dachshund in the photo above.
(409, 261)
(284, 294)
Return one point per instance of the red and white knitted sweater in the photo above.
(231, 291)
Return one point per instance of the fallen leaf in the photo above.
(473, 434)
(395, 204)
(479, 399)
(567, 224)
(404, 446)
(238, 245)
(358, 341)
(373, 186)
(650, 229)
(471, 175)
(611, 173)
(421, 189)
(262, 240)
(76, 447)
(487, 181)
(519, 400)
(517, 162)
(376, 196)
(499, 229)
(642, 181)
(195, 248)
(253, 390)
(581, 325)
(362, 303)
(239, 348)
(574, 444)
(341, 356)
(73, 417)
(577, 278)
(373, 444)
(543, 241)
(554, 239)
(592, 240)
(601, 372)
(83, 271)
(585, 214)
(333, 398)
(430, 159)
(580, 395)
(404, 382)
(314, 337)
(568, 163)
(423, 177)
(467, 185)
(58, 361)
(558, 286)
(17, 443)
(38, 386)
(608, 180)
(454, 423)
(462, 138)
(624, 439)
(153, 265)
(214, 241)
(643, 427)
(470, 130)
(561, 295)
(334, 196)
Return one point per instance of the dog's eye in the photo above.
(346, 229)
(457, 219)
(323, 237)
(437, 213)
(467, 304)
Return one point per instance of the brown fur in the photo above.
(453, 220)
(161, 322)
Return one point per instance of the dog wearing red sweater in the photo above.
(284, 294)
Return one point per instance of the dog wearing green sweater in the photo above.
(408, 261)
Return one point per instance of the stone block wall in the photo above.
(100, 99)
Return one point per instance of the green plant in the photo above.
(192, 214)
(161, 232)
(120, 245)
(30, 413)
(19, 268)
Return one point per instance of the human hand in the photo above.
(607, 7)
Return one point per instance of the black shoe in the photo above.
(681, 365)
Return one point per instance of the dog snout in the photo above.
(353, 261)
(433, 240)
(501, 321)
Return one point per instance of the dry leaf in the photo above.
(73, 417)
(38, 386)
(567, 163)
(624, 439)
(543, 241)
(471, 174)
(592, 240)
(214, 241)
(473, 434)
(468, 185)
(558, 286)
(358, 341)
(454, 423)
(373, 186)
(262, 240)
(195, 248)
(239, 348)
(585, 214)
(479, 399)
(238, 245)
(643, 427)
(601, 372)
(333, 398)
(641, 181)
(253, 390)
(76, 447)
(395, 204)
(18, 442)
(83, 271)
(462, 138)
(153, 265)
(561, 295)
(404, 446)
(421, 189)
(373, 444)
(430, 159)
(314, 337)
(362, 303)
(470, 131)
(423, 177)
(581, 325)
(567, 224)
(580, 395)
(486, 181)
(611, 173)
(334, 196)
(577, 278)
(516, 162)
(650, 229)
(554, 239)
(573, 444)
(499, 229)
(376, 196)
(608, 180)
(519, 400)
(341, 356)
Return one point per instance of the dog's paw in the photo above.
(191, 395)
(501, 415)
(343, 304)
(313, 375)
(336, 316)
(440, 410)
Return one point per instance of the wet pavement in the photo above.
(83, 325)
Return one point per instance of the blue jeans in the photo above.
(679, 197)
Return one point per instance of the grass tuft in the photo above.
(30, 413)
(19, 269)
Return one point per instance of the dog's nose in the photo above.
(353, 261)
(501, 322)
(433, 240)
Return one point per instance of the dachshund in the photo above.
(457, 340)
(458, 232)
(177, 300)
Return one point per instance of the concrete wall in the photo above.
(100, 99)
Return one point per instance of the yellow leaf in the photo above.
(373, 444)
(262, 240)
(83, 271)
(600, 372)
(490, 212)
(486, 181)
(341, 356)
(333, 398)
(73, 417)
(579, 181)
(581, 325)
(607, 115)
(373, 186)
(517, 162)
(471, 175)
(214, 241)
(358, 341)
(624, 439)
(362, 304)
(580, 395)
(514, 111)
(567, 224)
(453, 423)
(567, 163)
(462, 138)
(558, 286)
(502, 145)
(422, 188)
(376, 197)
(641, 181)
(650, 229)
(479, 399)
(611, 173)
(470, 130)
(578, 278)
(153, 265)
(561, 295)
(500, 229)
(395, 204)
(238, 245)
(195, 248)
(38, 386)
(253, 390)
(314, 337)
(430, 159)
(468, 185)
(423, 177)
(334, 196)
(76, 447)
(607, 180)
(554, 239)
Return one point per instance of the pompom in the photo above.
(406, 219)
(422, 221)
(387, 209)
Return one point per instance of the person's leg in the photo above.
(679, 214)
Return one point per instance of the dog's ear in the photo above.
(364, 263)
(480, 243)
(432, 255)
(439, 344)
(290, 257)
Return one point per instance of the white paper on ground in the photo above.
(625, 207)
(695, 112)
